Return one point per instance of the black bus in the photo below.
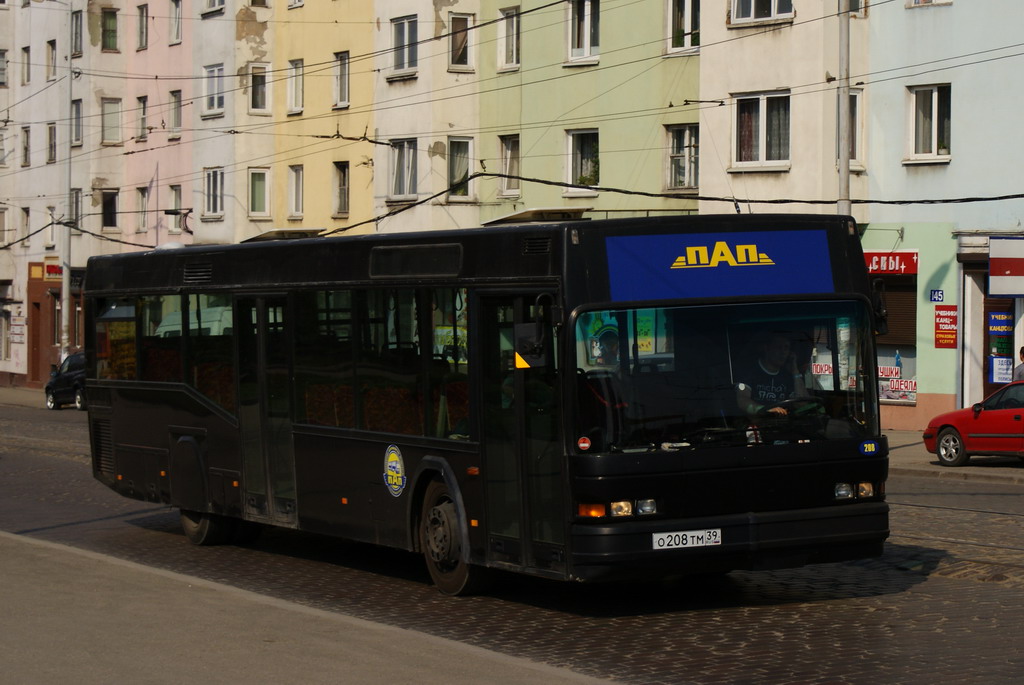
(579, 400)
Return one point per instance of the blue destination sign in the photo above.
(655, 267)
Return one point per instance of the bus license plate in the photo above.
(688, 538)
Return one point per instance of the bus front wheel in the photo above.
(206, 529)
(441, 542)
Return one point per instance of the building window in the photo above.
(584, 29)
(259, 92)
(761, 10)
(175, 113)
(3, 228)
(585, 167)
(341, 75)
(174, 30)
(404, 32)
(26, 146)
(76, 33)
(108, 23)
(403, 168)
(459, 152)
(213, 196)
(76, 122)
(509, 164)
(51, 143)
(508, 38)
(458, 42)
(143, 17)
(212, 5)
(295, 85)
(25, 228)
(931, 121)
(3, 147)
(51, 60)
(259, 189)
(855, 96)
(341, 186)
(295, 3)
(178, 218)
(762, 130)
(683, 25)
(75, 207)
(295, 198)
(26, 66)
(111, 121)
(213, 102)
(109, 209)
(142, 205)
(684, 147)
(3, 68)
(142, 112)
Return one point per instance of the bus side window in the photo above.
(324, 371)
(211, 349)
(115, 339)
(160, 348)
(449, 382)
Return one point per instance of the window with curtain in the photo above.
(403, 167)
(458, 167)
(458, 47)
(510, 164)
(762, 130)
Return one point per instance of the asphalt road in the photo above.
(942, 605)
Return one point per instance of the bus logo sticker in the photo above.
(697, 256)
(394, 471)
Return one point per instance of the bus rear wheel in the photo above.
(441, 542)
(206, 529)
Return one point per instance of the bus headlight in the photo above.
(624, 508)
(844, 491)
(646, 506)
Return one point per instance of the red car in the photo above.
(994, 426)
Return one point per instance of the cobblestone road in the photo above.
(941, 606)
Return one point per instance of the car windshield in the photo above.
(674, 378)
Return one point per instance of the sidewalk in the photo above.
(907, 456)
(70, 615)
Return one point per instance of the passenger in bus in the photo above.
(608, 349)
(771, 379)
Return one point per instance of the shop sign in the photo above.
(903, 262)
(1000, 323)
(945, 326)
(1005, 266)
(1000, 369)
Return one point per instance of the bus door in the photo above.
(519, 433)
(264, 411)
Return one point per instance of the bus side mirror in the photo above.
(878, 301)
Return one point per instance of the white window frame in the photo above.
(142, 110)
(342, 188)
(465, 193)
(51, 60)
(51, 241)
(174, 30)
(110, 120)
(213, 192)
(511, 164)
(175, 110)
(3, 68)
(296, 85)
(403, 178)
(213, 90)
(926, 3)
(212, 6)
(76, 123)
(580, 169)
(259, 72)
(296, 197)
(460, 45)
(76, 33)
(508, 39)
(107, 32)
(933, 95)
(142, 16)
(683, 26)
(26, 146)
(746, 11)
(856, 132)
(51, 143)
(3, 147)
(177, 219)
(763, 142)
(341, 79)
(255, 211)
(584, 27)
(26, 65)
(142, 209)
(75, 208)
(685, 157)
(405, 47)
(292, 4)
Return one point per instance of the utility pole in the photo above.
(65, 247)
(843, 206)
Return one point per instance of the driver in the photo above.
(771, 379)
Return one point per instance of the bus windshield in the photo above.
(694, 377)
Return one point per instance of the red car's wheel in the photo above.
(949, 448)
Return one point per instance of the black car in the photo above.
(67, 383)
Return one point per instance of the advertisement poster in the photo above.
(945, 326)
